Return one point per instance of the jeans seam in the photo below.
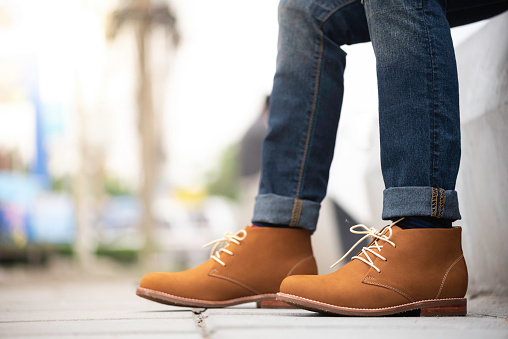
(433, 203)
(436, 209)
(296, 213)
(432, 106)
(442, 200)
(297, 206)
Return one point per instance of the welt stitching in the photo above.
(296, 207)
(213, 274)
(446, 274)
(204, 301)
(366, 280)
(371, 309)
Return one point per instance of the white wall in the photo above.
(482, 62)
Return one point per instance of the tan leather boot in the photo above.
(249, 268)
(401, 270)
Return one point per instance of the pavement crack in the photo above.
(484, 315)
(198, 310)
(199, 317)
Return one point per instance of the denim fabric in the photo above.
(305, 107)
(418, 104)
(275, 208)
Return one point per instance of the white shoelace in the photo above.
(228, 237)
(377, 235)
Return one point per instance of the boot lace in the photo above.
(374, 249)
(228, 237)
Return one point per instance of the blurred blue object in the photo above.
(121, 212)
(17, 195)
(18, 188)
(30, 215)
(39, 167)
(118, 224)
(53, 219)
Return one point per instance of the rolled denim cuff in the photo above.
(280, 210)
(421, 202)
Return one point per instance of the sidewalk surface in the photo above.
(109, 308)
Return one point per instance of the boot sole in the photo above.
(425, 308)
(261, 300)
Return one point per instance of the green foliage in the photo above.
(225, 181)
(120, 255)
(61, 184)
(116, 187)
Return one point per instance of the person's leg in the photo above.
(418, 108)
(406, 269)
(305, 108)
(419, 105)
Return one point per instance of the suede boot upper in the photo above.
(253, 263)
(414, 265)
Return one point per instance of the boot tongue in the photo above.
(395, 229)
(379, 238)
(381, 242)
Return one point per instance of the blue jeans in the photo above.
(418, 107)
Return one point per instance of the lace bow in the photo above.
(383, 234)
(228, 237)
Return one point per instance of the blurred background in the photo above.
(130, 132)
(121, 124)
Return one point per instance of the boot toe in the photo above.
(299, 285)
(233, 275)
(173, 283)
(157, 282)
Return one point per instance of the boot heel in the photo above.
(459, 308)
(272, 304)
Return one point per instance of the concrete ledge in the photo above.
(482, 62)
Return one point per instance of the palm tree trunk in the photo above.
(146, 127)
